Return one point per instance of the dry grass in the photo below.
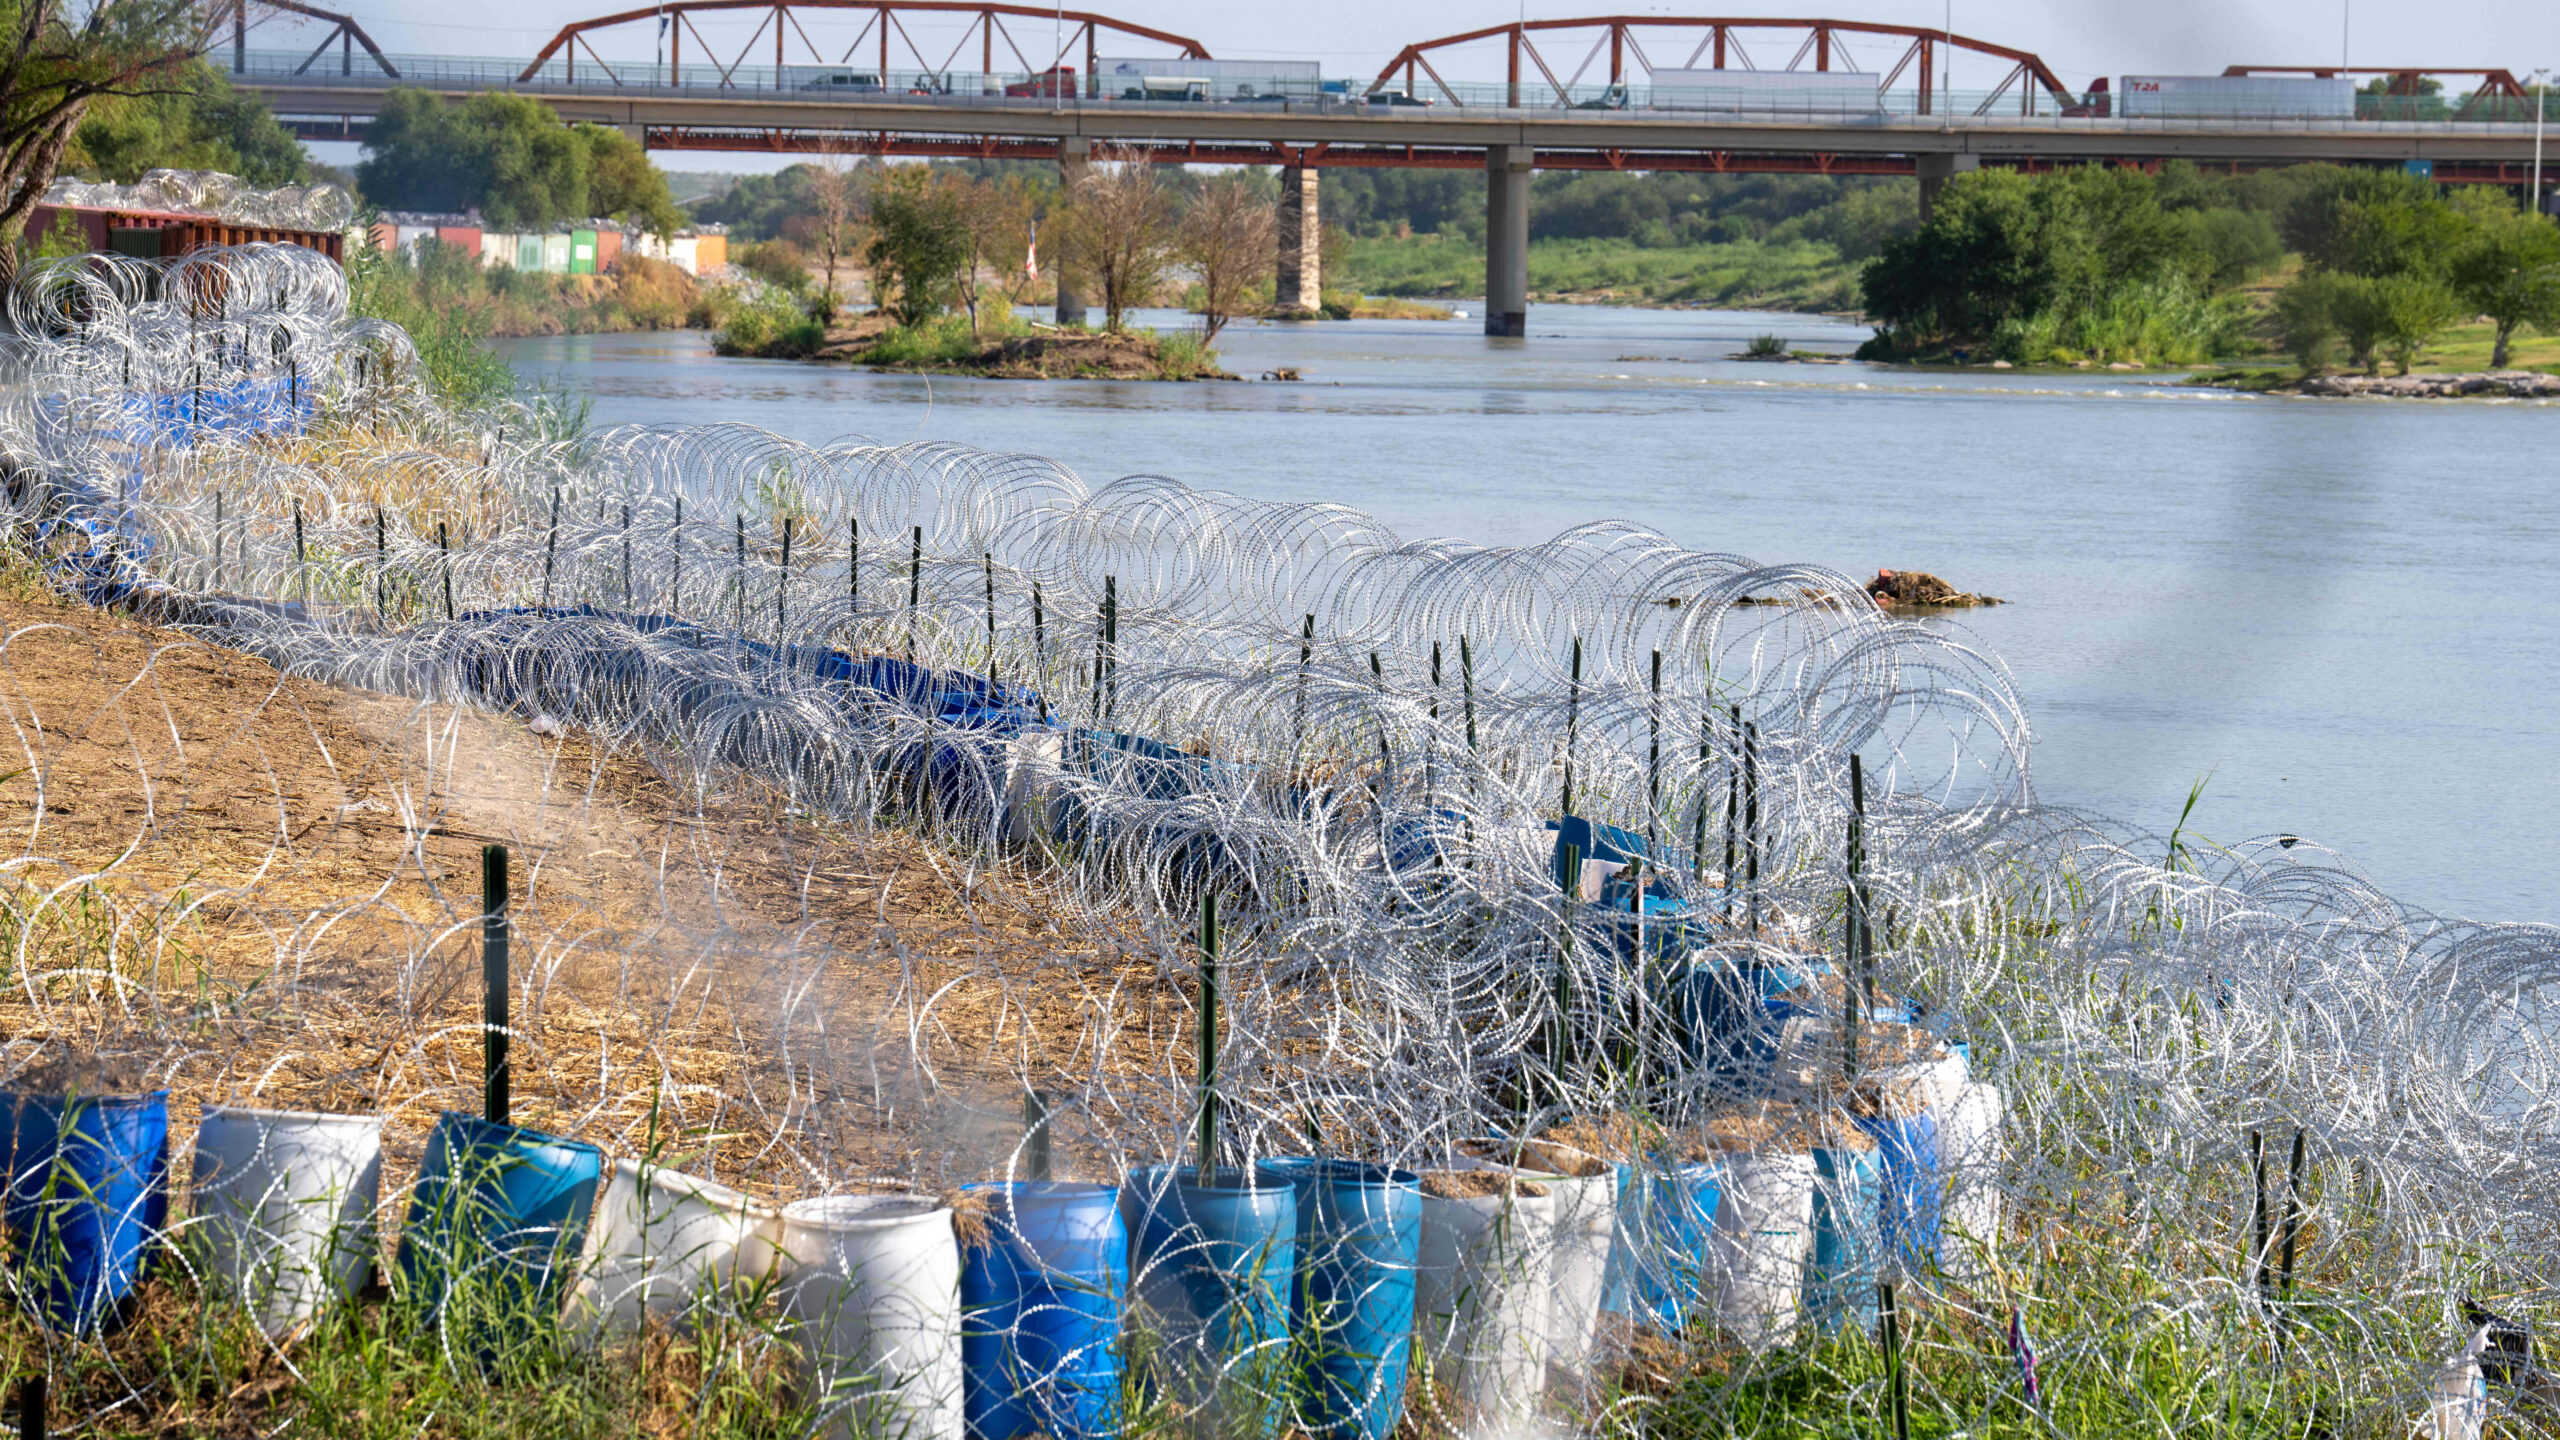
(267, 889)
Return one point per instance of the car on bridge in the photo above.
(1388, 98)
(1056, 83)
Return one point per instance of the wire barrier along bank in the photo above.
(1074, 958)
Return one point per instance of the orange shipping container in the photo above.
(465, 238)
(608, 249)
(710, 253)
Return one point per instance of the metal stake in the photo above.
(1035, 1133)
(550, 548)
(493, 982)
(1207, 1163)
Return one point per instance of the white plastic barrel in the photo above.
(663, 1241)
(1969, 1151)
(1584, 1229)
(1031, 775)
(1764, 1233)
(1481, 1299)
(285, 1204)
(871, 1289)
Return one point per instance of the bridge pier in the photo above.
(1506, 239)
(1936, 171)
(1075, 159)
(1300, 287)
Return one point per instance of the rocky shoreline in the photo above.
(2513, 384)
(2467, 385)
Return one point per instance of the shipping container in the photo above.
(1767, 92)
(385, 237)
(497, 251)
(709, 253)
(555, 255)
(529, 254)
(405, 239)
(465, 238)
(2235, 97)
(608, 249)
(582, 252)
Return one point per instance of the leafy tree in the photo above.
(623, 184)
(2368, 222)
(57, 62)
(836, 191)
(918, 239)
(759, 206)
(1121, 223)
(2509, 270)
(995, 215)
(1226, 238)
(778, 263)
(2411, 310)
(198, 122)
(510, 158)
(2307, 311)
(2236, 243)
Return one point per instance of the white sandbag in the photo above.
(1763, 1235)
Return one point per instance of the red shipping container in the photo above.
(608, 249)
(465, 238)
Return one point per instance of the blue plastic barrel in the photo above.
(1359, 1239)
(1213, 1265)
(1911, 1191)
(1040, 1312)
(88, 1193)
(1840, 1278)
(1670, 1235)
(495, 1224)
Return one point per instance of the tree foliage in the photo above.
(918, 239)
(2509, 270)
(58, 61)
(1227, 238)
(2079, 262)
(196, 122)
(510, 158)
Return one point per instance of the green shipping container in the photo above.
(529, 253)
(582, 252)
(555, 254)
(135, 241)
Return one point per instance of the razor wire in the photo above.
(1498, 831)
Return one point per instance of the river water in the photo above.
(2327, 606)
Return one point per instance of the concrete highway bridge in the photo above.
(892, 78)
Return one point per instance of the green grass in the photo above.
(1797, 275)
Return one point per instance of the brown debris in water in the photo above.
(1920, 590)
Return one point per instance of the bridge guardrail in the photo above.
(973, 90)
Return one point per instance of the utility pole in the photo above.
(2541, 86)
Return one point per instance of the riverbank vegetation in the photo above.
(1776, 242)
(949, 254)
(2088, 264)
(2332, 267)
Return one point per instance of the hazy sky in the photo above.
(2079, 38)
